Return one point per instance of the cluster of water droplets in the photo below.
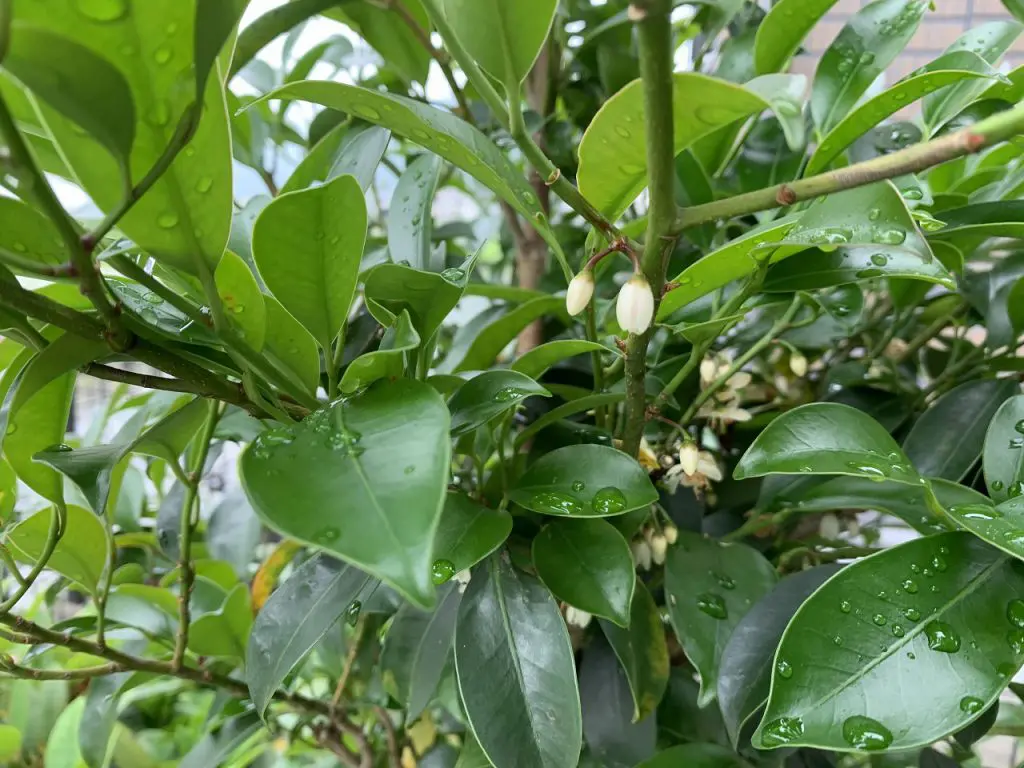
(605, 502)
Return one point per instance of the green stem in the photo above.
(8, 560)
(30, 266)
(654, 36)
(919, 157)
(595, 361)
(186, 573)
(930, 331)
(58, 521)
(83, 673)
(129, 268)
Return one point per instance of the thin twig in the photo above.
(350, 660)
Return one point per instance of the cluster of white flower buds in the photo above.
(634, 307)
(651, 547)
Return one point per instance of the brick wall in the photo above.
(938, 29)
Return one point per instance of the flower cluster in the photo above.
(724, 407)
(634, 308)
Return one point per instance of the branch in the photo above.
(9, 667)
(654, 36)
(919, 157)
(148, 381)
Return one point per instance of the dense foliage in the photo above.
(628, 401)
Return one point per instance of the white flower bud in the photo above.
(829, 527)
(580, 292)
(671, 534)
(634, 308)
(577, 618)
(462, 579)
(659, 545)
(708, 370)
(641, 554)
(798, 365)
(689, 455)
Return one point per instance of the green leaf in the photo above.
(489, 341)
(585, 403)
(1003, 456)
(608, 728)
(101, 714)
(783, 29)
(294, 619)
(215, 23)
(468, 531)
(511, 634)
(216, 748)
(390, 35)
(224, 632)
(29, 234)
(416, 649)
(944, 72)
(709, 587)
(472, 755)
(869, 42)
(535, 362)
(409, 216)
(427, 296)
(1001, 526)
(344, 151)
(84, 87)
(745, 675)
(10, 743)
(584, 481)
(826, 439)
(308, 246)
(241, 297)
(185, 217)
(92, 468)
(934, 618)
(388, 361)
(587, 564)
(695, 756)
(949, 437)
(330, 482)
(988, 42)
(503, 38)
(642, 652)
(292, 344)
(440, 132)
(489, 395)
(613, 162)
(62, 744)
(820, 269)
(80, 554)
(271, 25)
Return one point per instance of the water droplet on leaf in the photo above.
(441, 571)
(608, 501)
(942, 637)
(865, 733)
(713, 605)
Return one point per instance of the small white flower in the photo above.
(671, 534)
(739, 380)
(577, 618)
(641, 554)
(634, 308)
(708, 370)
(706, 472)
(689, 455)
(659, 545)
(798, 365)
(462, 579)
(829, 527)
(580, 292)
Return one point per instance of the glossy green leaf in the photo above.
(695, 756)
(613, 163)
(84, 87)
(642, 652)
(390, 35)
(942, 73)
(216, 748)
(416, 649)
(223, 632)
(948, 438)
(503, 38)
(185, 217)
(867, 44)
(584, 481)
(783, 29)
(28, 233)
(101, 713)
(933, 618)
(292, 344)
(745, 675)
(409, 225)
(826, 439)
(271, 25)
(1003, 456)
(92, 468)
(427, 296)
(555, 415)
(62, 745)
(308, 246)
(608, 728)
(468, 531)
(439, 131)
(1001, 526)
(387, 361)
(490, 340)
(535, 362)
(344, 151)
(511, 635)
(80, 553)
(294, 619)
(709, 586)
(988, 42)
(160, 317)
(587, 564)
(472, 755)
(820, 269)
(215, 23)
(330, 481)
(241, 298)
(488, 396)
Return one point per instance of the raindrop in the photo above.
(1015, 613)
(327, 535)
(1019, 426)
(890, 236)
(508, 394)
(862, 732)
(785, 669)
(631, 169)
(1015, 443)
(781, 731)
(837, 640)
(845, 606)
(975, 511)
(1015, 637)
(162, 55)
(898, 630)
(454, 275)
(160, 114)
(879, 259)
(878, 619)
(971, 705)
(725, 582)
(623, 131)
(441, 571)
(608, 501)
(103, 10)
(910, 586)
(204, 185)
(167, 220)
(713, 605)
(867, 274)
(912, 614)
(65, 448)
(942, 637)
(556, 503)
(367, 111)
(872, 473)
(352, 612)
(939, 564)
(578, 485)
(409, 470)
(1016, 489)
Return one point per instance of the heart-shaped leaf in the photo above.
(488, 396)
